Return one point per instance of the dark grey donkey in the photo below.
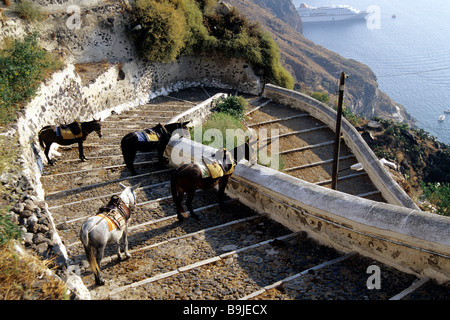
(108, 226)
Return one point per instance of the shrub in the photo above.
(174, 27)
(239, 38)
(163, 30)
(23, 66)
(29, 11)
(439, 195)
(219, 122)
(321, 96)
(272, 64)
(232, 105)
(196, 38)
(354, 119)
(8, 229)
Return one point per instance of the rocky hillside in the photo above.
(283, 10)
(316, 68)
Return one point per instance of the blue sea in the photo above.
(410, 54)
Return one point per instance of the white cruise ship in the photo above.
(329, 13)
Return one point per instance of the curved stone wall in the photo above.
(406, 238)
(64, 98)
(390, 190)
(410, 240)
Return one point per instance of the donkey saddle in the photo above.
(116, 213)
(70, 131)
(218, 168)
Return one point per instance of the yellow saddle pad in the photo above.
(68, 135)
(215, 169)
(151, 136)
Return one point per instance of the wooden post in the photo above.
(337, 138)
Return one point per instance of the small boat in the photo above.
(442, 117)
(447, 111)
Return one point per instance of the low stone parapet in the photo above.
(410, 240)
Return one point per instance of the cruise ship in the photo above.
(329, 13)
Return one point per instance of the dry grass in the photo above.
(26, 277)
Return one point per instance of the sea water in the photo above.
(407, 45)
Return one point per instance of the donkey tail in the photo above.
(41, 140)
(90, 254)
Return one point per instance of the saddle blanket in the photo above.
(214, 169)
(114, 219)
(211, 170)
(144, 136)
(67, 134)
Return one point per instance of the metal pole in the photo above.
(337, 138)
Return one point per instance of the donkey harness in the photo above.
(116, 213)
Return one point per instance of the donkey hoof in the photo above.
(100, 282)
(182, 216)
(185, 215)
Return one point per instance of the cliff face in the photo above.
(316, 68)
(284, 10)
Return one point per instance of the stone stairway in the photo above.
(233, 253)
(307, 146)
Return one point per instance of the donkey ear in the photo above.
(122, 185)
(136, 186)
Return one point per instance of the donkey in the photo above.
(146, 141)
(52, 134)
(108, 226)
(189, 177)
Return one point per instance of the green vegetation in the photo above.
(438, 195)
(8, 229)
(216, 127)
(24, 65)
(232, 105)
(229, 112)
(226, 124)
(164, 30)
(424, 161)
(170, 28)
(321, 96)
(354, 119)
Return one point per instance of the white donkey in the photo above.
(106, 227)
